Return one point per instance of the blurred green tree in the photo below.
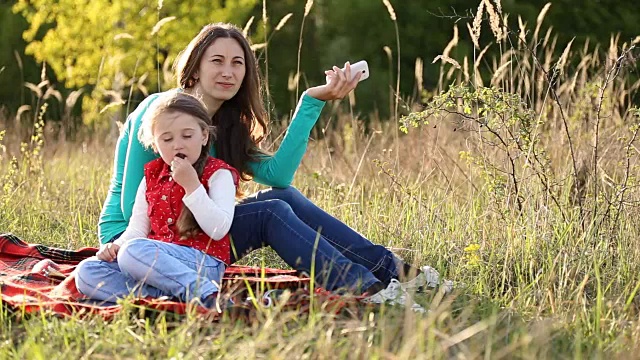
(112, 46)
(121, 45)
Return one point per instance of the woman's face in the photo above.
(221, 71)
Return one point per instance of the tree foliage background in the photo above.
(114, 48)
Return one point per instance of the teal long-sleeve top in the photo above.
(128, 164)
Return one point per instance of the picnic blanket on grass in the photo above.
(35, 277)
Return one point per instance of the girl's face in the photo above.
(221, 71)
(176, 133)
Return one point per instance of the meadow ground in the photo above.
(537, 285)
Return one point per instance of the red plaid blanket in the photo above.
(36, 277)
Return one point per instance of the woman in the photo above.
(219, 67)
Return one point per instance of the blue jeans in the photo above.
(149, 268)
(273, 223)
(337, 240)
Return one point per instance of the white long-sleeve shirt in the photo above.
(212, 211)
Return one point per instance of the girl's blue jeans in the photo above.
(149, 268)
(303, 235)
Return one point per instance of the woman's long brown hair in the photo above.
(241, 121)
(178, 102)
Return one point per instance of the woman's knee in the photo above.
(290, 194)
(278, 207)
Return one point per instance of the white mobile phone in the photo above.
(361, 66)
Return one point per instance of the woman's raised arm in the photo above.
(278, 170)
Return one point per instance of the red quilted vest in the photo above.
(164, 197)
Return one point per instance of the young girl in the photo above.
(176, 243)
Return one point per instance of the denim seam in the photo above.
(94, 288)
(197, 265)
(375, 266)
(367, 285)
(285, 223)
(350, 277)
(163, 275)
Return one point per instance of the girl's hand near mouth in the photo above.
(184, 174)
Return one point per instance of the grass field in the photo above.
(536, 286)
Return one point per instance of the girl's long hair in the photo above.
(241, 122)
(179, 102)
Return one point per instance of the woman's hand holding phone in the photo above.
(340, 82)
(361, 67)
